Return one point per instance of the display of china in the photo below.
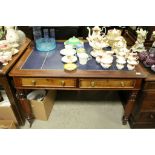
(139, 44)
(97, 40)
(11, 34)
(106, 61)
(75, 42)
(83, 58)
(120, 63)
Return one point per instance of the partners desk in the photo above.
(6, 83)
(44, 70)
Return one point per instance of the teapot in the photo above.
(96, 31)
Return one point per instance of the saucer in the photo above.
(68, 52)
(69, 59)
(70, 66)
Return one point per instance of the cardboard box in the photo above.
(7, 124)
(6, 112)
(42, 109)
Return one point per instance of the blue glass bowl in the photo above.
(45, 44)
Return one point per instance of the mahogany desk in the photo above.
(44, 70)
(5, 81)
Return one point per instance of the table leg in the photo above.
(129, 106)
(26, 106)
(5, 81)
(1, 97)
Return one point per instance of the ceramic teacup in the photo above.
(130, 67)
(119, 66)
(83, 58)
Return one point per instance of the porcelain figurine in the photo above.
(97, 40)
(139, 44)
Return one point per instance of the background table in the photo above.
(6, 83)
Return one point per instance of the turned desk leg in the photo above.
(26, 106)
(129, 106)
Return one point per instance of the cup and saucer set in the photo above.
(74, 50)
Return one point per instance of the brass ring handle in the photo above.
(34, 82)
(122, 84)
(62, 83)
(93, 84)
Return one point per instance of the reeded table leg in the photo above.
(129, 106)
(26, 106)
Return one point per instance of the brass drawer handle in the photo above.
(92, 84)
(62, 83)
(33, 82)
(122, 84)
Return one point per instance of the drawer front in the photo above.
(149, 85)
(147, 117)
(48, 82)
(106, 83)
(148, 101)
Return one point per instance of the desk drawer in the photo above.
(149, 86)
(147, 117)
(48, 82)
(106, 83)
